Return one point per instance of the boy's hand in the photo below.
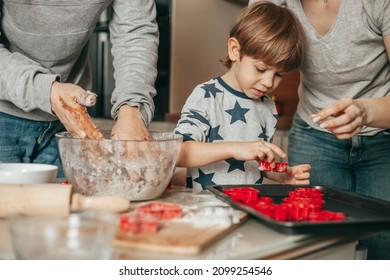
(279, 166)
(257, 150)
(296, 175)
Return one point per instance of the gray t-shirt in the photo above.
(44, 41)
(215, 112)
(350, 60)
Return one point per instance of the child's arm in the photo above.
(195, 154)
(295, 175)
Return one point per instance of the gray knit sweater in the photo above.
(43, 41)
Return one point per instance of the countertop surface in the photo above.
(250, 240)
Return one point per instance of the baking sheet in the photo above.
(364, 214)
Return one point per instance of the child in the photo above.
(228, 122)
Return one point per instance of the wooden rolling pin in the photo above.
(53, 200)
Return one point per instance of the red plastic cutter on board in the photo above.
(146, 217)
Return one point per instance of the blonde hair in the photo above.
(269, 33)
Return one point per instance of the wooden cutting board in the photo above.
(177, 237)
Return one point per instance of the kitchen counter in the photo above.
(250, 240)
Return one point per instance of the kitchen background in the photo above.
(102, 69)
(193, 36)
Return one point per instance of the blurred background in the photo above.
(102, 69)
(193, 38)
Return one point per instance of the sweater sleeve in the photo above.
(134, 37)
(194, 122)
(23, 81)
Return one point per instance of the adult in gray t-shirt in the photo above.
(345, 78)
(44, 58)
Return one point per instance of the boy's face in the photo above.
(250, 76)
(253, 77)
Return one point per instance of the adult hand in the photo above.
(68, 102)
(297, 175)
(129, 125)
(348, 116)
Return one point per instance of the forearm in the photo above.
(24, 82)
(195, 154)
(377, 111)
(134, 37)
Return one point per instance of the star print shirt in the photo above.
(215, 112)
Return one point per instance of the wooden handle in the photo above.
(53, 200)
(114, 204)
(35, 199)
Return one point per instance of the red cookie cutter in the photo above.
(245, 194)
(161, 210)
(302, 204)
(136, 224)
(266, 166)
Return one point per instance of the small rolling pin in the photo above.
(53, 200)
(110, 203)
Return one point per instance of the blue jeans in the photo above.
(23, 140)
(360, 164)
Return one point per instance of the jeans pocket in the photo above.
(385, 132)
(300, 123)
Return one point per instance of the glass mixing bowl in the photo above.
(85, 235)
(139, 170)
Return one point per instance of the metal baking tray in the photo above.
(364, 214)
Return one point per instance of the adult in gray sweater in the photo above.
(44, 64)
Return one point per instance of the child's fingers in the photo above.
(276, 149)
(304, 167)
(266, 153)
(302, 172)
(301, 182)
(302, 176)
